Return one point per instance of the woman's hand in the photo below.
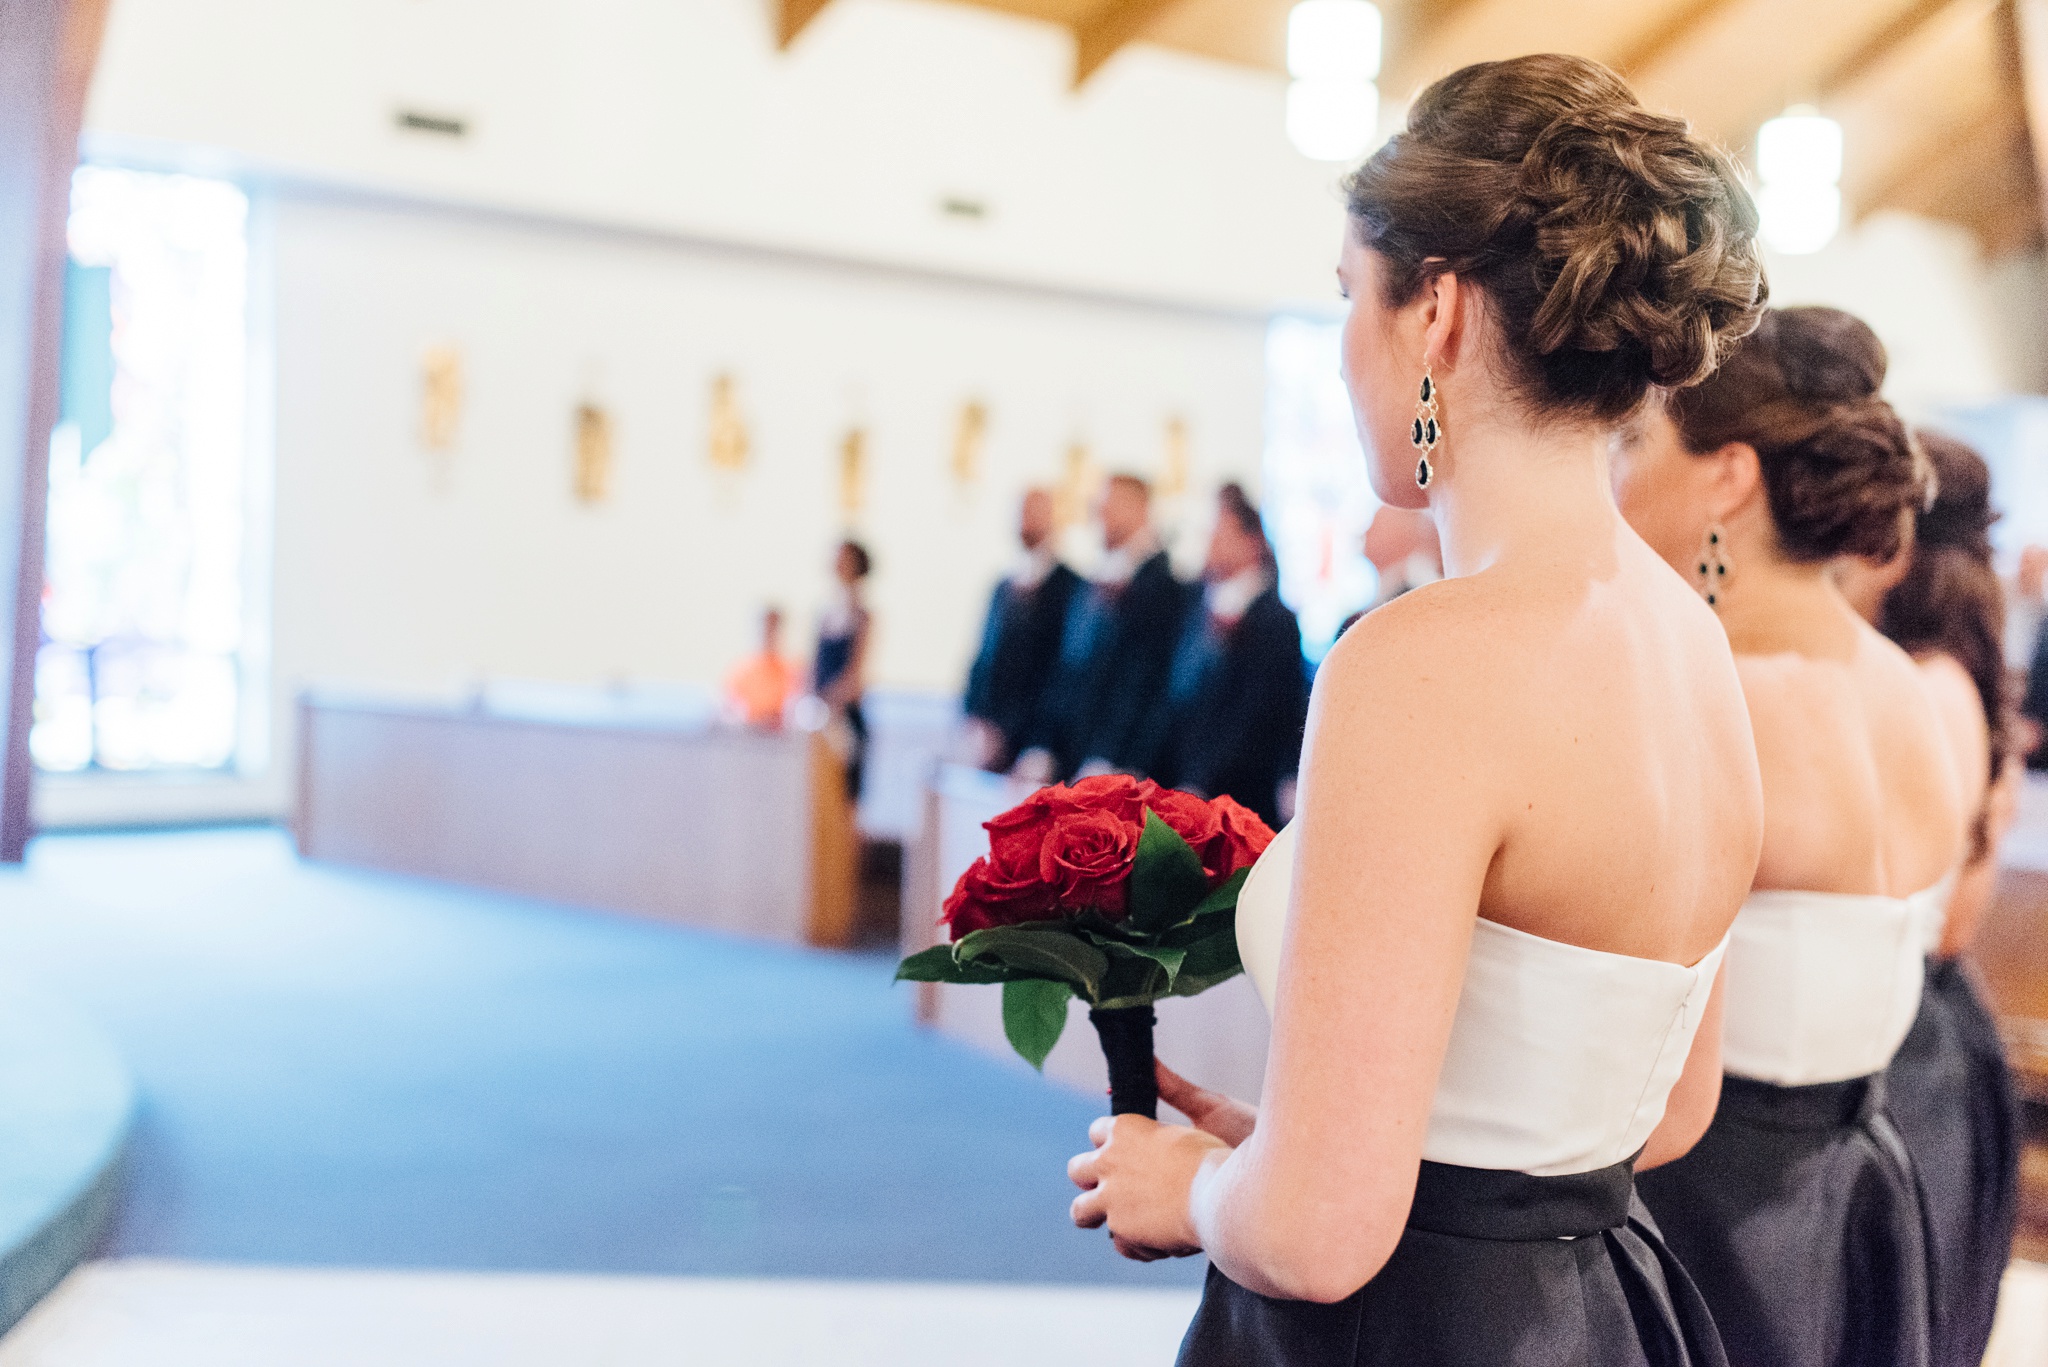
(1229, 1119)
(1137, 1182)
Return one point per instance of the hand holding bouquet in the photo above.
(1114, 890)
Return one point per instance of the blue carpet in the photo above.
(66, 1104)
(342, 1068)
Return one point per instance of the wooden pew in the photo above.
(601, 798)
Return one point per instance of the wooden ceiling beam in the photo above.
(1939, 157)
(1676, 29)
(2023, 32)
(1102, 31)
(792, 17)
(1875, 50)
(1415, 38)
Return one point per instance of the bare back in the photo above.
(1632, 763)
(1861, 794)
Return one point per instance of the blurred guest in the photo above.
(1118, 645)
(2026, 602)
(1020, 641)
(1238, 695)
(839, 669)
(760, 686)
(1402, 546)
(2027, 650)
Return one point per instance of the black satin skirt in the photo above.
(1799, 1218)
(1496, 1269)
(1951, 1097)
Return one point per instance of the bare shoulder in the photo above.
(1950, 685)
(1431, 664)
(1438, 631)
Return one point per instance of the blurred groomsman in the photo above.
(1020, 641)
(1238, 696)
(1118, 646)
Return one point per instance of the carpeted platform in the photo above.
(66, 1104)
(340, 1068)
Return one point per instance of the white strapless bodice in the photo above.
(1823, 986)
(1560, 1058)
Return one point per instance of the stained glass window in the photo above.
(141, 663)
(1318, 498)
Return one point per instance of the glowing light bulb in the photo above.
(1333, 53)
(1799, 146)
(1332, 120)
(1333, 40)
(1799, 162)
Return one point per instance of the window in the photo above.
(1318, 497)
(142, 660)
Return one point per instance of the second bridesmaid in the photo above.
(1798, 1213)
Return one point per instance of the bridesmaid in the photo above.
(1529, 804)
(1948, 1090)
(1797, 1213)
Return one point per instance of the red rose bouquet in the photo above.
(1114, 890)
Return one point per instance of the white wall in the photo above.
(1959, 329)
(653, 194)
(394, 571)
(1168, 176)
(379, 574)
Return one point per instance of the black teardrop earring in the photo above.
(1425, 432)
(1712, 577)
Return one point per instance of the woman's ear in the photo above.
(1737, 481)
(1443, 318)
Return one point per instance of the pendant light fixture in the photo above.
(1333, 54)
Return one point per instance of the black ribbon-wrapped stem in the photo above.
(1126, 1034)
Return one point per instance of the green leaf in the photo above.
(1047, 950)
(1210, 960)
(1167, 881)
(938, 965)
(1223, 897)
(1136, 976)
(1034, 1014)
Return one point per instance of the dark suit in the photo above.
(1020, 649)
(1237, 702)
(2034, 702)
(1111, 678)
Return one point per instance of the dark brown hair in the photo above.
(858, 554)
(1234, 503)
(1950, 600)
(1616, 250)
(1842, 474)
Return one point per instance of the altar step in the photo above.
(155, 1313)
(66, 1106)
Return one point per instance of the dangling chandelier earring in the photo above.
(1426, 432)
(1713, 566)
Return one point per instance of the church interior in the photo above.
(503, 499)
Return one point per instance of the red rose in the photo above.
(1118, 794)
(1087, 860)
(986, 897)
(1015, 838)
(1244, 834)
(1062, 848)
(1196, 822)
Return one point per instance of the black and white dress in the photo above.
(1799, 1214)
(1950, 1094)
(1525, 1243)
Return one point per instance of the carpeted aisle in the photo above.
(348, 1069)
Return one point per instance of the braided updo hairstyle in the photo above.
(1843, 475)
(1616, 250)
(1950, 599)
